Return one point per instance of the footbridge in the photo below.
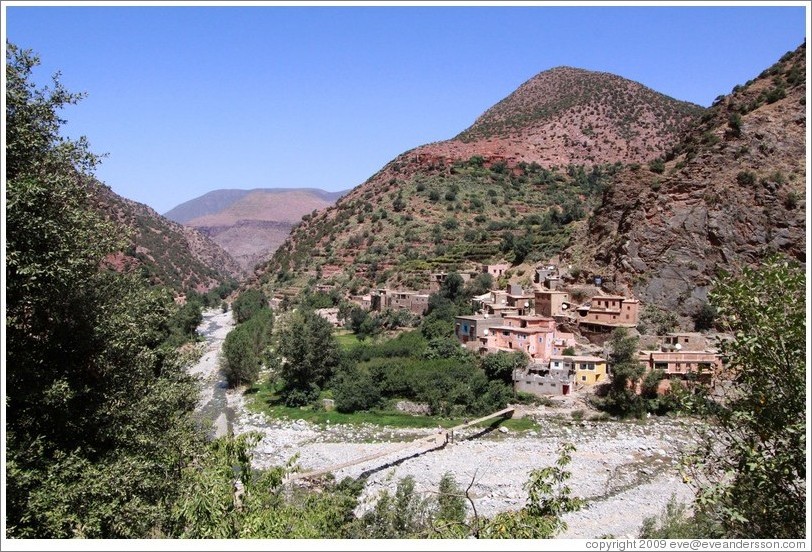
(414, 448)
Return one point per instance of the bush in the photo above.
(355, 390)
(657, 166)
(746, 178)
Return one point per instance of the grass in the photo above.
(264, 398)
(346, 339)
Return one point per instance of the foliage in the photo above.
(247, 304)
(244, 349)
(675, 522)
(97, 414)
(751, 469)
(501, 365)
(224, 498)
(309, 354)
(658, 320)
(705, 317)
(622, 399)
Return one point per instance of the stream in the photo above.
(213, 409)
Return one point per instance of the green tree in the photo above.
(705, 317)
(622, 398)
(310, 354)
(247, 304)
(97, 413)
(500, 366)
(751, 469)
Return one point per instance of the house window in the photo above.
(583, 378)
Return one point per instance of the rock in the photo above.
(503, 429)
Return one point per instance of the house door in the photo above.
(565, 389)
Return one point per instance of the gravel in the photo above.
(626, 471)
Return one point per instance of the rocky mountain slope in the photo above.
(728, 195)
(163, 251)
(250, 224)
(513, 185)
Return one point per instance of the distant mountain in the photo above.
(251, 224)
(164, 252)
(218, 200)
(514, 185)
(731, 193)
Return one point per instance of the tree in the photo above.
(704, 317)
(751, 469)
(501, 365)
(97, 416)
(248, 304)
(622, 398)
(310, 354)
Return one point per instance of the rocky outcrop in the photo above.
(731, 194)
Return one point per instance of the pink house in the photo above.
(609, 311)
(535, 335)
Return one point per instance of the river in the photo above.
(213, 407)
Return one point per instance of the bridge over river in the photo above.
(414, 448)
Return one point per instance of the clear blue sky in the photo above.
(190, 99)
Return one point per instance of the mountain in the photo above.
(165, 252)
(218, 200)
(251, 224)
(515, 185)
(731, 193)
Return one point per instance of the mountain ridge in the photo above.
(399, 218)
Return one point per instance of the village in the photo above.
(564, 339)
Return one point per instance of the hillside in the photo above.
(250, 224)
(163, 251)
(728, 195)
(514, 185)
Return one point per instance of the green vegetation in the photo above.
(97, 422)
(309, 356)
(453, 214)
(752, 481)
(629, 377)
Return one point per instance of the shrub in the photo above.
(746, 178)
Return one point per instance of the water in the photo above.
(213, 409)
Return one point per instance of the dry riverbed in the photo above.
(626, 471)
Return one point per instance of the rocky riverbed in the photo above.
(626, 471)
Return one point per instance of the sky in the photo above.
(191, 98)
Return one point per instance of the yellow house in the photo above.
(588, 370)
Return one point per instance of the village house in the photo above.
(493, 303)
(363, 301)
(496, 270)
(700, 366)
(588, 370)
(543, 379)
(517, 299)
(535, 335)
(606, 312)
(688, 341)
(436, 279)
(412, 301)
(544, 272)
(469, 330)
(552, 303)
